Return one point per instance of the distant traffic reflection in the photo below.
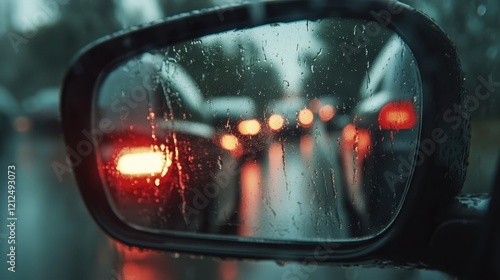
(282, 139)
(251, 193)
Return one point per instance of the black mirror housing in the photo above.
(443, 146)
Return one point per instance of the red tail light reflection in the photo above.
(143, 161)
(358, 139)
(397, 115)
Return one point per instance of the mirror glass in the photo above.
(302, 131)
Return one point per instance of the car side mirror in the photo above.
(284, 130)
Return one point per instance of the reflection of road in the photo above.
(292, 191)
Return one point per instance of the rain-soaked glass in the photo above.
(301, 131)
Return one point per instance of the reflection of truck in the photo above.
(382, 133)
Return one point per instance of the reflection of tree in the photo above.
(333, 74)
(220, 73)
(267, 66)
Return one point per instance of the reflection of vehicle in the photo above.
(145, 180)
(328, 110)
(294, 116)
(157, 147)
(290, 117)
(239, 129)
(383, 130)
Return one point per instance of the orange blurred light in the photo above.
(249, 127)
(357, 139)
(228, 270)
(276, 155)
(306, 147)
(363, 144)
(397, 115)
(138, 270)
(229, 142)
(326, 113)
(251, 193)
(275, 122)
(143, 161)
(348, 134)
(306, 117)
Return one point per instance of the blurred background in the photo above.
(56, 237)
